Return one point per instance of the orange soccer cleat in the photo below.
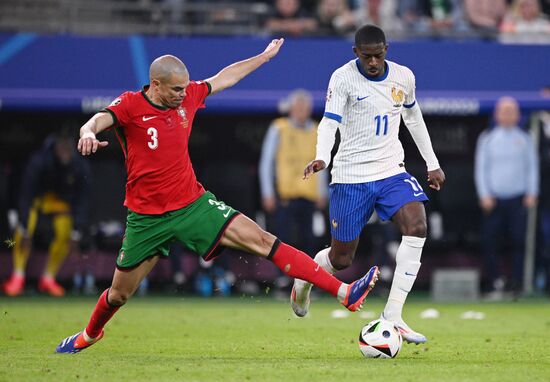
(14, 285)
(76, 343)
(49, 285)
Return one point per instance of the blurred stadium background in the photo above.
(60, 61)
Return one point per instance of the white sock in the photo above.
(407, 266)
(87, 337)
(342, 292)
(322, 259)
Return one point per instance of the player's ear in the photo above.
(354, 48)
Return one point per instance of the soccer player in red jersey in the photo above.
(166, 202)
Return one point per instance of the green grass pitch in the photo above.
(258, 339)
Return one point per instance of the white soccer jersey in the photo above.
(369, 112)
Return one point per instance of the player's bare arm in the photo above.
(233, 73)
(88, 143)
(436, 178)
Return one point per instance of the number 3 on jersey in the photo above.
(154, 142)
(378, 119)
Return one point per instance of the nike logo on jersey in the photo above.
(418, 193)
(227, 213)
(409, 274)
(145, 119)
(362, 98)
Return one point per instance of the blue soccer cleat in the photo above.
(359, 289)
(76, 343)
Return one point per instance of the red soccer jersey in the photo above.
(155, 143)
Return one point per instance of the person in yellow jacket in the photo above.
(288, 144)
(56, 184)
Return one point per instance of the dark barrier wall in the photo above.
(83, 73)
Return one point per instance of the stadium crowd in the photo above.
(509, 21)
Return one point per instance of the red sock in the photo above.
(102, 313)
(297, 264)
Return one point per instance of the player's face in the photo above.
(171, 92)
(371, 57)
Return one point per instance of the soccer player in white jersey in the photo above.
(366, 99)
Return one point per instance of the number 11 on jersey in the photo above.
(378, 119)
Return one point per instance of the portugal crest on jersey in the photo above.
(181, 112)
(397, 96)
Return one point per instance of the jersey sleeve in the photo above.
(198, 91)
(410, 96)
(337, 97)
(119, 109)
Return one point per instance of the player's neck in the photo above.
(154, 98)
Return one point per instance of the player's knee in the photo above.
(117, 297)
(417, 229)
(266, 241)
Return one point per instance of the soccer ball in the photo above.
(380, 339)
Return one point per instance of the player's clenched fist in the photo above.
(88, 144)
(313, 167)
(436, 178)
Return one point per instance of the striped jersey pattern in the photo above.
(369, 112)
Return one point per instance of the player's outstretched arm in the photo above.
(88, 143)
(233, 73)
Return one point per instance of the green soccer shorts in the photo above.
(198, 226)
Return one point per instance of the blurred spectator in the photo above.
(289, 19)
(382, 13)
(485, 16)
(411, 16)
(443, 17)
(56, 184)
(525, 23)
(334, 17)
(288, 146)
(507, 182)
(209, 278)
